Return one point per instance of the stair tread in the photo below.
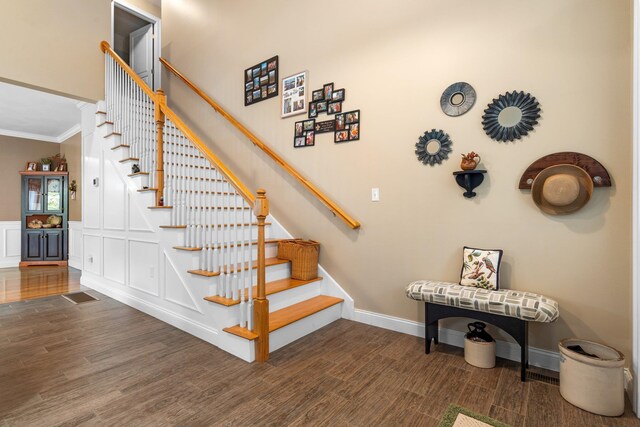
(270, 289)
(159, 207)
(105, 123)
(130, 159)
(268, 262)
(196, 249)
(120, 146)
(226, 208)
(138, 174)
(112, 133)
(241, 332)
(211, 225)
(288, 315)
(142, 190)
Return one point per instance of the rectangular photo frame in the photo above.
(294, 95)
(328, 91)
(261, 81)
(347, 126)
(304, 134)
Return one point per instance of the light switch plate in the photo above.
(375, 194)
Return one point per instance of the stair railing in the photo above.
(333, 206)
(207, 200)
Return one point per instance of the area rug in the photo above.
(457, 416)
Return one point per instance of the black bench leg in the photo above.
(524, 351)
(432, 334)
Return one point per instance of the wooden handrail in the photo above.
(333, 207)
(229, 176)
(106, 48)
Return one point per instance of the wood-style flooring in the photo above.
(18, 284)
(104, 363)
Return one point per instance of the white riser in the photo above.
(304, 327)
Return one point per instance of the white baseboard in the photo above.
(537, 357)
(9, 264)
(203, 332)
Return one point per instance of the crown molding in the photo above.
(45, 138)
(68, 133)
(27, 135)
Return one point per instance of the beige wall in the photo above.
(55, 45)
(71, 150)
(16, 152)
(147, 6)
(574, 56)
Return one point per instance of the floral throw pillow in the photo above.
(480, 268)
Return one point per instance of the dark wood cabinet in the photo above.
(44, 194)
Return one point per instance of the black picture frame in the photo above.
(313, 112)
(327, 90)
(347, 126)
(334, 107)
(261, 81)
(325, 126)
(341, 136)
(317, 95)
(304, 134)
(338, 95)
(321, 107)
(351, 117)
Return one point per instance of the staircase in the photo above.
(216, 233)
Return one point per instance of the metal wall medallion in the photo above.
(511, 116)
(433, 147)
(457, 99)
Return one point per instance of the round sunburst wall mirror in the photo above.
(511, 116)
(457, 99)
(433, 147)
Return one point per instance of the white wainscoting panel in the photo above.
(114, 259)
(137, 221)
(92, 254)
(114, 198)
(143, 267)
(10, 243)
(175, 290)
(90, 193)
(75, 244)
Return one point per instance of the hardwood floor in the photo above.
(104, 363)
(18, 284)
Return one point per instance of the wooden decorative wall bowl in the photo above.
(594, 168)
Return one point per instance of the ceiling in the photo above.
(29, 113)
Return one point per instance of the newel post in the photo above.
(261, 303)
(161, 101)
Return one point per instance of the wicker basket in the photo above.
(303, 255)
(285, 248)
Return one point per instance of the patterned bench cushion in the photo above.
(522, 305)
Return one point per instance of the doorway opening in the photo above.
(135, 36)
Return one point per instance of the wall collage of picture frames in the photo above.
(261, 81)
(344, 125)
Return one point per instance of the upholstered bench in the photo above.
(509, 310)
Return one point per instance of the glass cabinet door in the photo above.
(54, 194)
(34, 194)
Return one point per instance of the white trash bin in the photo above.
(595, 384)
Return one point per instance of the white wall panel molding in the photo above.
(114, 259)
(175, 288)
(75, 244)
(10, 243)
(144, 268)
